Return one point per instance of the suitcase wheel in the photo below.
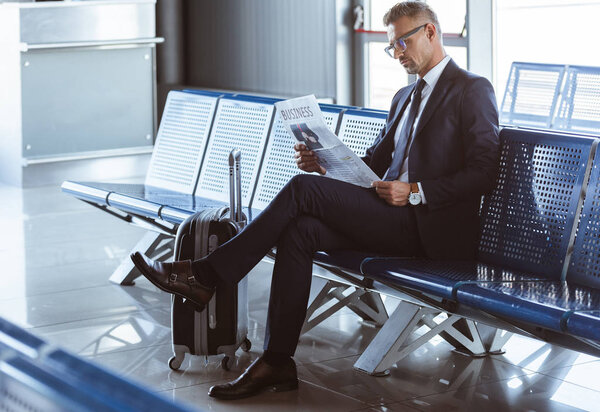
(227, 362)
(175, 362)
(246, 345)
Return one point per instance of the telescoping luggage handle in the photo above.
(235, 187)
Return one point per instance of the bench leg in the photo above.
(390, 344)
(158, 246)
(499, 340)
(367, 305)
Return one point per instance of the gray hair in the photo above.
(412, 9)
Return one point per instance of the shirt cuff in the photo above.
(422, 193)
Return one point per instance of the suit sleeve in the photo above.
(479, 134)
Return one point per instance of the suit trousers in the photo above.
(311, 213)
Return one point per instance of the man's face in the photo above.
(415, 59)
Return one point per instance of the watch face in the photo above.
(414, 198)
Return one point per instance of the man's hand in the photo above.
(307, 160)
(393, 192)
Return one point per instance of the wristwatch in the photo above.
(414, 198)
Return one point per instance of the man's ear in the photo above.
(430, 30)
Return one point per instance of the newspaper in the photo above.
(304, 121)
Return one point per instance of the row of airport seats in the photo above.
(552, 96)
(35, 376)
(538, 262)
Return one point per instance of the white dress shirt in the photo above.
(431, 79)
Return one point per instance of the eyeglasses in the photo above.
(399, 44)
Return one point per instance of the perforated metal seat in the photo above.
(584, 265)
(240, 123)
(555, 304)
(527, 221)
(359, 128)
(531, 94)
(181, 141)
(579, 110)
(279, 165)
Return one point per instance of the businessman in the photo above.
(436, 156)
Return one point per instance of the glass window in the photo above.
(458, 54)
(451, 13)
(545, 31)
(386, 77)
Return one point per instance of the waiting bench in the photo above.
(552, 96)
(36, 376)
(527, 232)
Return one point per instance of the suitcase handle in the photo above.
(235, 187)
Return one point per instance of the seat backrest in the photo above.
(181, 141)
(279, 165)
(584, 263)
(359, 128)
(241, 122)
(527, 222)
(579, 109)
(531, 94)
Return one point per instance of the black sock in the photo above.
(275, 359)
(204, 273)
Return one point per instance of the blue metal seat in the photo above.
(240, 123)
(546, 304)
(526, 222)
(279, 164)
(36, 377)
(551, 303)
(579, 110)
(359, 128)
(531, 94)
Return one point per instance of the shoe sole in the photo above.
(140, 265)
(280, 387)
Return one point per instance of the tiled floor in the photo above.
(57, 253)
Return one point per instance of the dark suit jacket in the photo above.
(455, 156)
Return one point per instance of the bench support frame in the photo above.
(391, 344)
(366, 304)
(158, 246)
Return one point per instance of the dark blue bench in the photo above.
(527, 228)
(579, 110)
(37, 376)
(552, 96)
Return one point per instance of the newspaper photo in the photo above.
(304, 121)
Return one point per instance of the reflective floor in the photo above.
(57, 254)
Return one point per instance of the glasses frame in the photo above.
(399, 43)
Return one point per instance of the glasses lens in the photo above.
(390, 51)
(400, 45)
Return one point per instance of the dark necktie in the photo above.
(401, 149)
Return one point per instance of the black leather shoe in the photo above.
(259, 377)
(176, 278)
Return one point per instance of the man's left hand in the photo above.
(394, 192)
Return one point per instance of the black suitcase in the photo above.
(222, 327)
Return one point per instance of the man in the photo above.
(437, 154)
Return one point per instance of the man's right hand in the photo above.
(307, 160)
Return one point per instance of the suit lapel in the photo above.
(402, 103)
(442, 86)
